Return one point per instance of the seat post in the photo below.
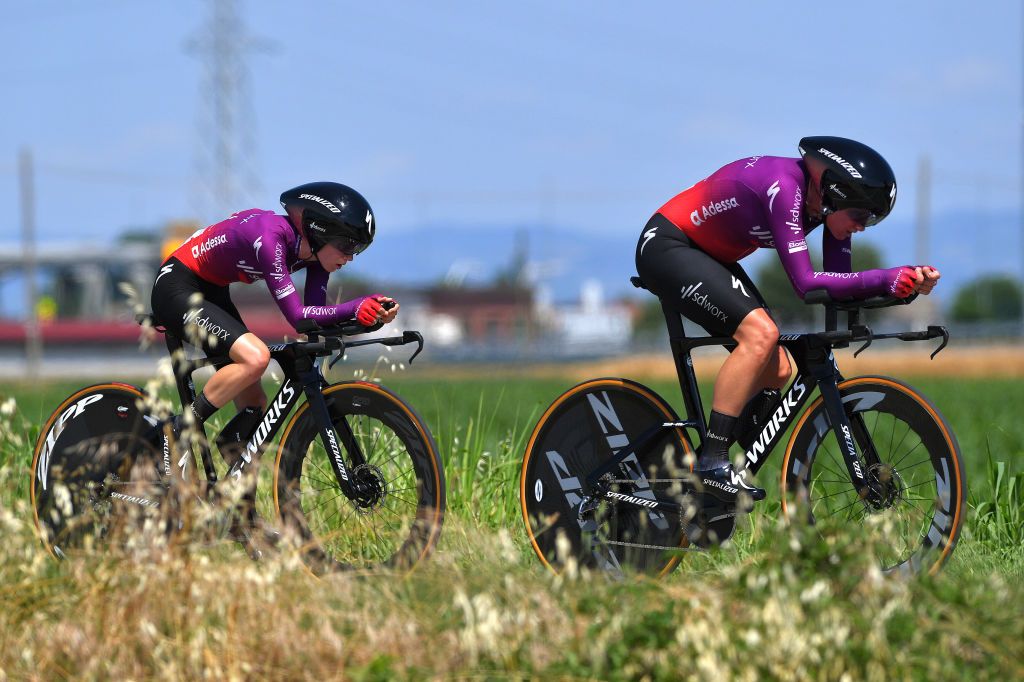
(684, 369)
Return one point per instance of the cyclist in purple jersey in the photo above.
(689, 251)
(325, 225)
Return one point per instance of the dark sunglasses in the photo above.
(863, 216)
(349, 246)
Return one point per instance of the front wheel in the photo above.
(398, 522)
(914, 467)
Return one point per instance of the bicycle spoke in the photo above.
(908, 453)
(896, 465)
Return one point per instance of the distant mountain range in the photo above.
(963, 245)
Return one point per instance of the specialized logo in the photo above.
(850, 448)
(257, 245)
(737, 284)
(211, 328)
(648, 236)
(713, 209)
(778, 421)
(773, 191)
(369, 223)
(633, 500)
(76, 410)
(842, 162)
(336, 454)
(132, 499)
(165, 270)
(323, 202)
(704, 302)
(211, 243)
(721, 486)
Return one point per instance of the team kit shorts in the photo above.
(715, 295)
(210, 320)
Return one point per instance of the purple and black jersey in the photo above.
(257, 245)
(758, 202)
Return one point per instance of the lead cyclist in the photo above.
(325, 225)
(689, 252)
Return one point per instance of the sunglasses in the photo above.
(863, 216)
(349, 246)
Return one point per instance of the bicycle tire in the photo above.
(581, 429)
(85, 456)
(399, 530)
(928, 493)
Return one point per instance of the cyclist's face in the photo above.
(843, 224)
(332, 258)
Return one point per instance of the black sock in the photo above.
(202, 408)
(715, 451)
(755, 415)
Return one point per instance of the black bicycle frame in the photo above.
(300, 369)
(816, 367)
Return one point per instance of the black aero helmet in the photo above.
(855, 176)
(332, 213)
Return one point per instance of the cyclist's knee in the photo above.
(758, 334)
(252, 354)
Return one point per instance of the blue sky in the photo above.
(582, 115)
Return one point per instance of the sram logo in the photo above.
(73, 412)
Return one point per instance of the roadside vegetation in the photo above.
(781, 601)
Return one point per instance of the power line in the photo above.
(226, 141)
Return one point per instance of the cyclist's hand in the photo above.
(389, 308)
(930, 276)
(904, 280)
(368, 311)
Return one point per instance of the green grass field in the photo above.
(779, 602)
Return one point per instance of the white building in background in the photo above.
(591, 326)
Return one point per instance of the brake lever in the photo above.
(933, 329)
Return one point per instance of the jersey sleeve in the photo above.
(785, 220)
(315, 293)
(837, 254)
(273, 262)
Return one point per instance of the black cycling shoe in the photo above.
(726, 484)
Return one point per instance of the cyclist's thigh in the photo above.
(716, 296)
(210, 321)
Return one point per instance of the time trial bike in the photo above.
(607, 480)
(357, 480)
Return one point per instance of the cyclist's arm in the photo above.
(315, 293)
(837, 254)
(791, 245)
(282, 288)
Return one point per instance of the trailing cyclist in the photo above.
(688, 255)
(325, 225)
